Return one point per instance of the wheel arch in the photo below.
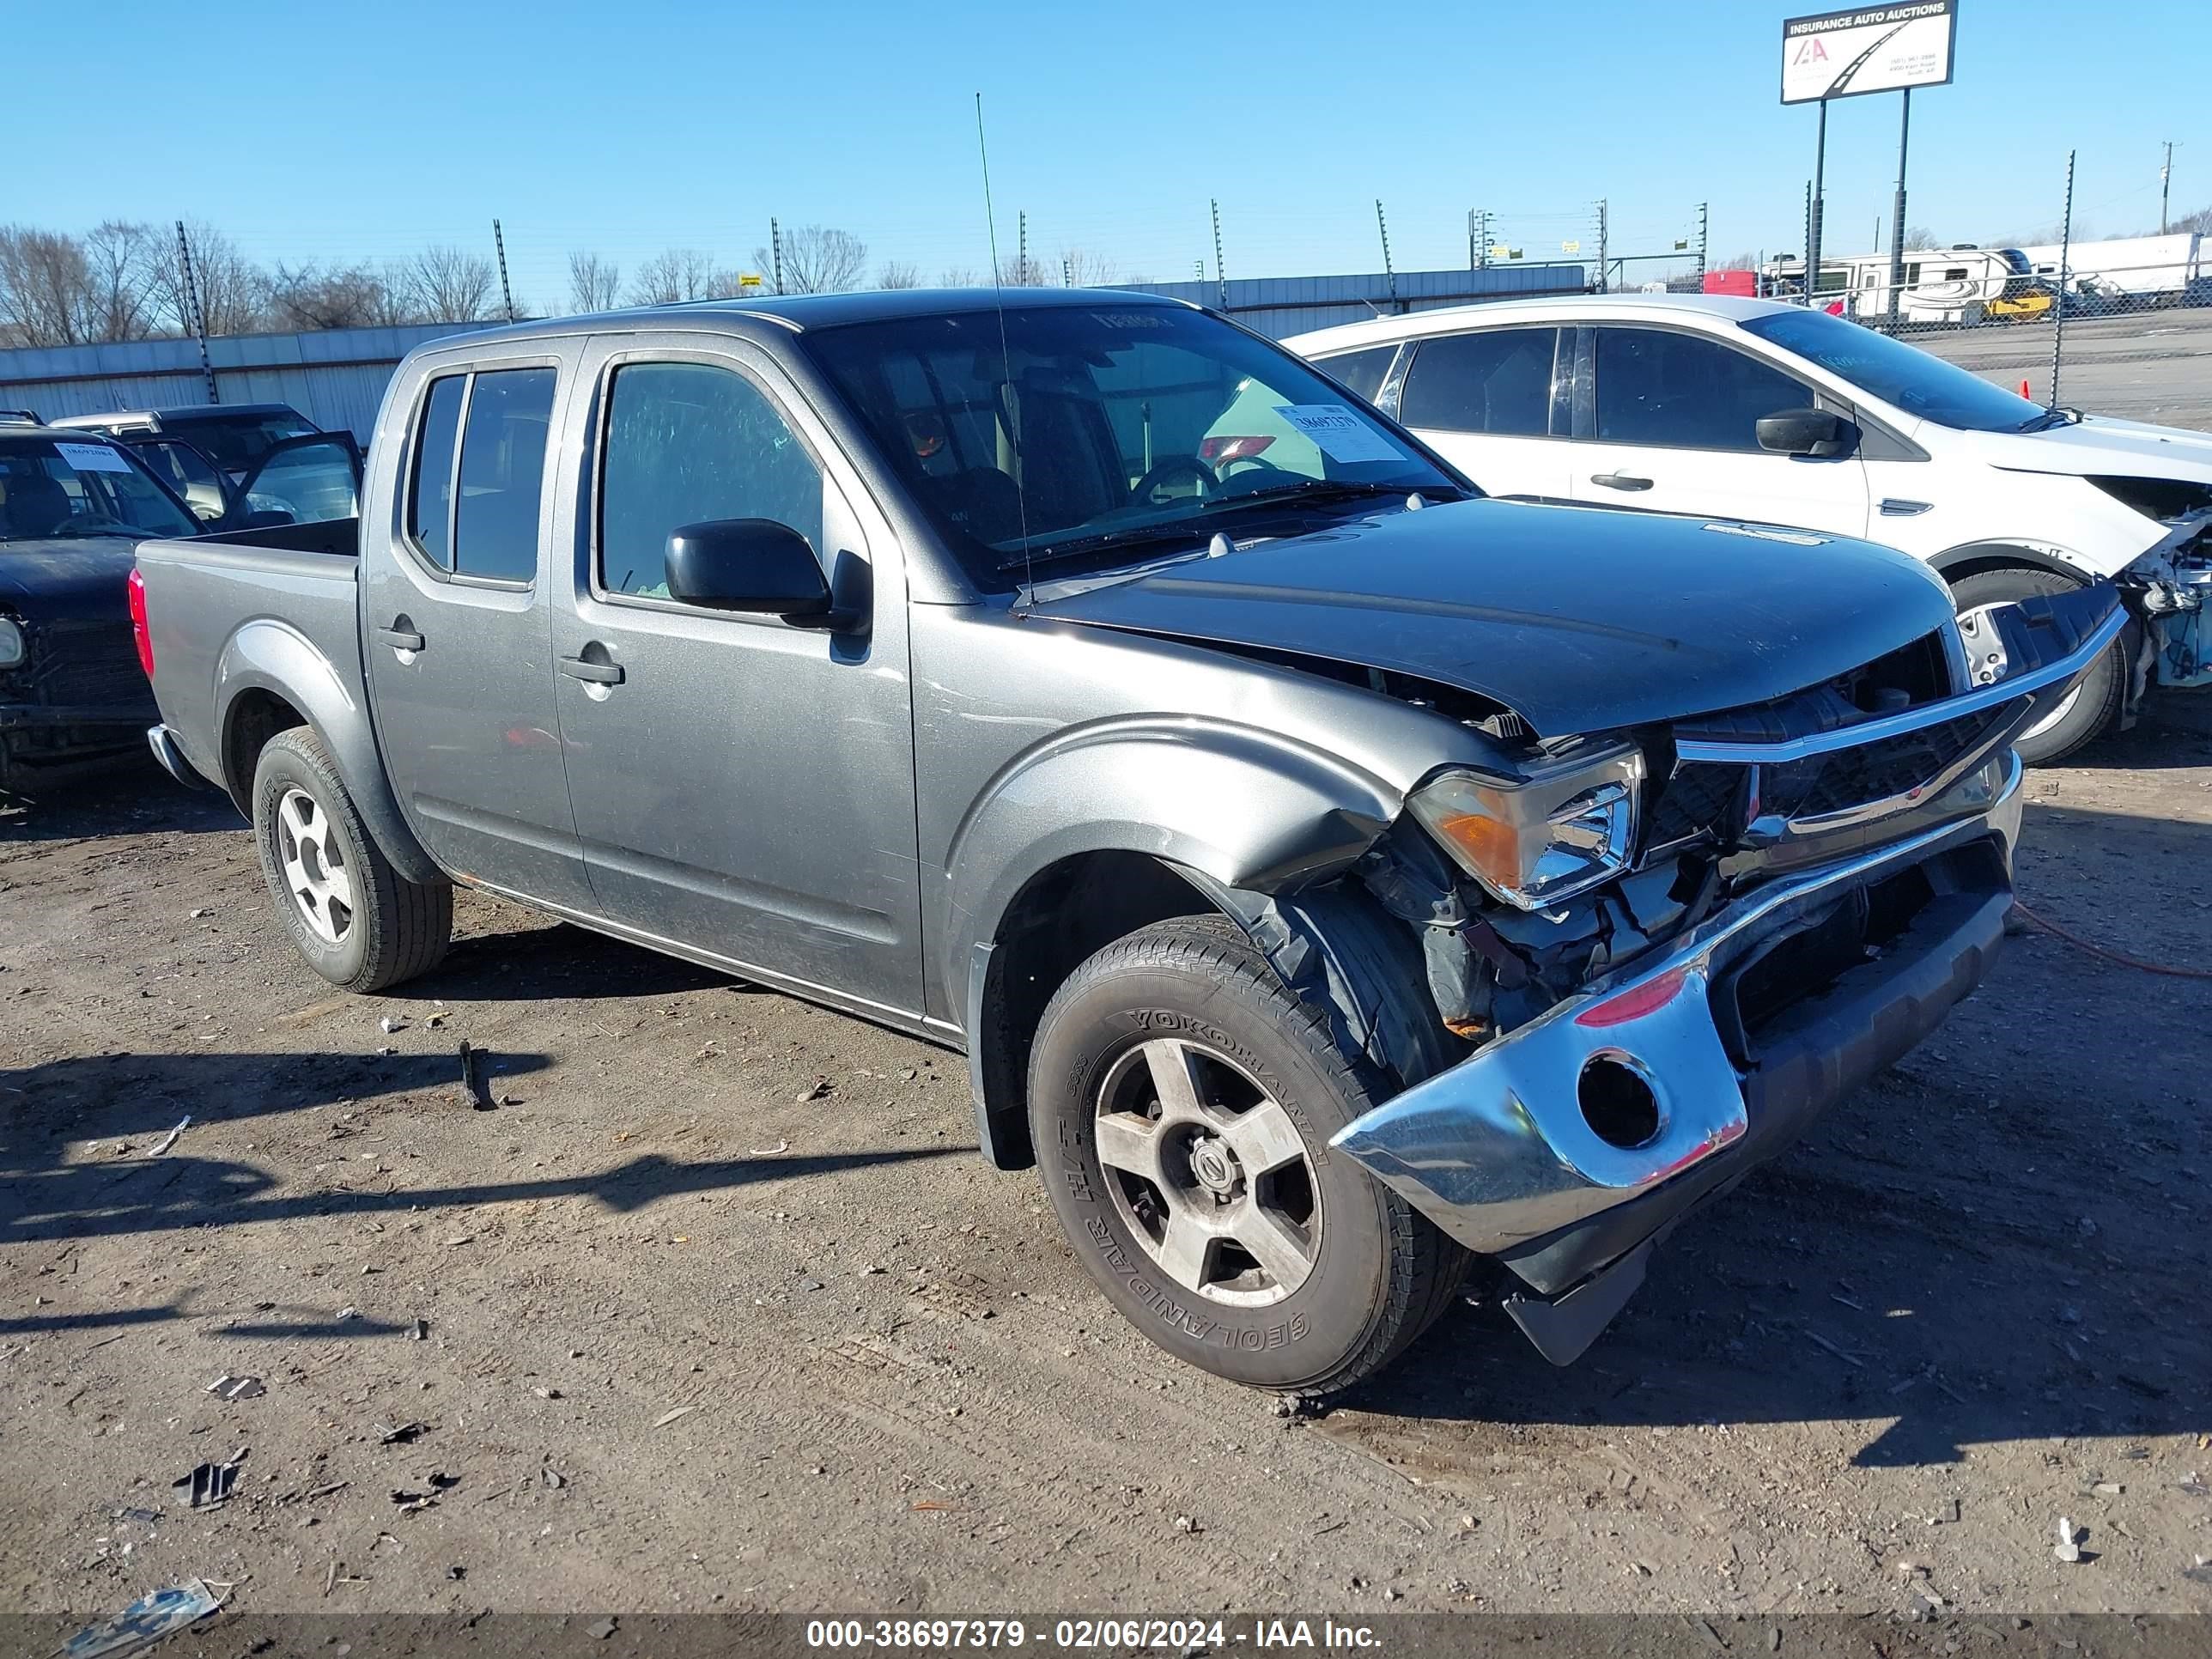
(1107, 828)
(1973, 558)
(271, 678)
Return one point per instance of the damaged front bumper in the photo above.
(1567, 1146)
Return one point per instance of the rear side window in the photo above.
(479, 517)
(1497, 381)
(503, 436)
(688, 443)
(1360, 371)
(1683, 391)
(430, 496)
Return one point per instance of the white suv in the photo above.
(1751, 409)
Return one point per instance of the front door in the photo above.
(741, 785)
(1670, 426)
(456, 634)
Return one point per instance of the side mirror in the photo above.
(748, 564)
(1814, 432)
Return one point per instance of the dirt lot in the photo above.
(721, 1309)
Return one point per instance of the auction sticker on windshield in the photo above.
(1342, 436)
(93, 458)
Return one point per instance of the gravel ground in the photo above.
(718, 1310)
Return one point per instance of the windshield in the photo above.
(1099, 427)
(56, 486)
(1911, 380)
(237, 443)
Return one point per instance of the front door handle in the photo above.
(1620, 481)
(598, 673)
(400, 639)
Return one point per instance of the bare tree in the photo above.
(1022, 270)
(452, 285)
(120, 264)
(44, 278)
(673, 275)
(1738, 261)
(594, 284)
(898, 273)
(1920, 237)
(957, 276)
(312, 296)
(818, 259)
(1087, 268)
(2200, 220)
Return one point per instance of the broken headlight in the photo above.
(1565, 825)
(11, 643)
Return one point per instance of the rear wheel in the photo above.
(2092, 707)
(358, 922)
(1182, 1098)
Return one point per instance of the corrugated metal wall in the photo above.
(336, 377)
(1280, 307)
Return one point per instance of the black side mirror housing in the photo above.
(748, 564)
(1818, 433)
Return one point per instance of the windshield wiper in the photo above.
(2056, 415)
(1316, 491)
(1107, 541)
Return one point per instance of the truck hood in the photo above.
(67, 579)
(1576, 619)
(2097, 446)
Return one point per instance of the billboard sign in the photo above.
(1842, 54)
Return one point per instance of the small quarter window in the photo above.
(1360, 371)
(430, 496)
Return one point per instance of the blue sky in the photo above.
(357, 132)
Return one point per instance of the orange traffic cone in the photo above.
(2023, 388)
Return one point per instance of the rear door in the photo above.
(1485, 401)
(456, 630)
(1667, 425)
(741, 786)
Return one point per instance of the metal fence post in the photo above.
(1897, 214)
(2065, 246)
(1220, 274)
(775, 251)
(506, 294)
(1383, 229)
(198, 318)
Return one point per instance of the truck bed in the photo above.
(218, 607)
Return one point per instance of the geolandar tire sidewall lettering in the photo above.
(281, 771)
(1305, 1338)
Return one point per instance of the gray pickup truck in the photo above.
(1331, 876)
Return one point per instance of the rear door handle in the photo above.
(1620, 481)
(598, 673)
(400, 639)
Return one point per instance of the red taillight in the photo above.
(139, 632)
(1214, 451)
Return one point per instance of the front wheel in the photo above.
(358, 922)
(2092, 706)
(1182, 1098)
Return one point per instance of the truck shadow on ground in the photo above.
(558, 960)
(2006, 1236)
(134, 1099)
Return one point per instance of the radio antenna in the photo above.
(1007, 405)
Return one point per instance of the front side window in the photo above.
(1682, 392)
(503, 472)
(1087, 430)
(63, 490)
(1903, 376)
(1361, 371)
(692, 443)
(1497, 381)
